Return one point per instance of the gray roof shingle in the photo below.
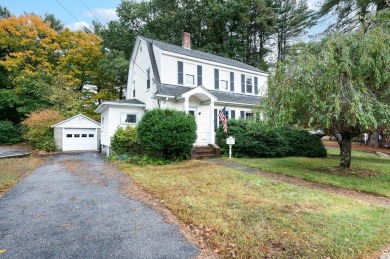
(236, 98)
(175, 90)
(171, 90)
(200, 55)
(129, 101)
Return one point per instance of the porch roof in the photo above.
(222, 97)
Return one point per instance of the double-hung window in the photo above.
(249, 84)
(190, 72)
(224, 80)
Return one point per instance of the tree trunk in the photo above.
(336, 135)
(346, 148)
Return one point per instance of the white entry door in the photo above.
(79, 139)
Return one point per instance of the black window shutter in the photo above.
(179, 72)
(216, 79)
(199, 68)
(215, 119)
(232, 114)
(256, 86)
(231, 81)
(242, 114)
(242, 83)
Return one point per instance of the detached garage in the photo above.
(77, 133)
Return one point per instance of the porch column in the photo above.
(211, 122)
(186, 105)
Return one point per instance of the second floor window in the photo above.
(148, 78)
(249, 83)
(190, 72)
(224, 80)
(190, 79)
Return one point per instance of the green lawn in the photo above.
(14, 169)
(249, 216)
(311, 169)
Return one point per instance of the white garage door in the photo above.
(80, 139)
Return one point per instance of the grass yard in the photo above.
(248, 216)
(369, 173)
(14, 169)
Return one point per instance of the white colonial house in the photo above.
(162, 75)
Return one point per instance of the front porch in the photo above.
(198, 102)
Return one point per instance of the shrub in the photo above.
(254, 139)
(167, 133)
(9, 133)
(37, 129)
(125, 141)
(302, 143)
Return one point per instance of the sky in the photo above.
(76, 14)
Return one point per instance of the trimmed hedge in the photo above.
(254, 139)
(167, 133)
(9, 133)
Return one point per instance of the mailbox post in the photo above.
(230, 141)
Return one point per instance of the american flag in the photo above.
(222, 117)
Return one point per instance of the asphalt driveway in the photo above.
(72, 207)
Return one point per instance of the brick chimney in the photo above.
(186, 40)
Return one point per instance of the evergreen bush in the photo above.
(125, 141)
(254, 139)
(9, 133)
(167, 133)
(302, 143)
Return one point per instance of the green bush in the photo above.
(167, 133)
(9, 133)
(125, 141)
(302, 143)
(254, 139)
(46, 144)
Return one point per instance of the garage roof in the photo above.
(80, 121)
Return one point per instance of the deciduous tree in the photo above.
(342, 82)
(351, 14)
